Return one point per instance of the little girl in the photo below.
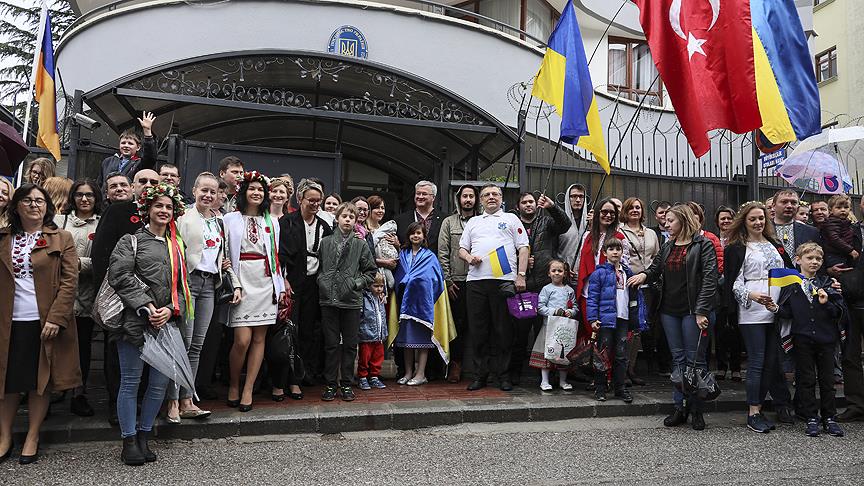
(556, 299)
(373, 333)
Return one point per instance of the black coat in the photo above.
(146, 160)
(733, 257)
(405, 219)
(543, 238)
(819, 322)
(120, 218)
(292, 246)
(701, 272)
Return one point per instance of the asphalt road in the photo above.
(609, 450)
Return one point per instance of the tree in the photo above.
(19, 24)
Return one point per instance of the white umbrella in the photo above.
(828, 137)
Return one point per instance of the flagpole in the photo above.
(40, 36)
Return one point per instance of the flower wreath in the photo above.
(254, 176)
(149, 194)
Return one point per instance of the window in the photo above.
(535, 17)
(631, 71)
(826, 65)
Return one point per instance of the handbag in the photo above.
(108, 307)
(225, 290)
(696, 381)
(560, 339)
(523, 305)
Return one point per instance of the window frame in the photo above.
(628, 91)
(833, 71)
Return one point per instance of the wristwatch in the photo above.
(521, 274)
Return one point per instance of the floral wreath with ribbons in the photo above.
(149, 194)
(254, 176)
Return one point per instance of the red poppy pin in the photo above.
(210, 243)
(91, 236)
(266, 229)
(134, 219)
(519, 230)
(781, 250)
(41, 243)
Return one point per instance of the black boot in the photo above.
(697, 421)
(131, 455)
(678, 417)
(142, 437)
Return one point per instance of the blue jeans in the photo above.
(131, 368)
(764, 371)
(203, 291)
(682, 335)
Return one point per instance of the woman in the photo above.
(252, 235)
(718, 248)
(729, 345)
(644, 246)
(6, 190)
(752, 251)
(279, 197)
(605, 221)
(80, 217)
(38, 335)
(203, 237)
(38, 170)
(58, 188)
(418, 276)
(362, 205)
(148, 272)
(289, 184)
(331, 202)
(373, 225)
(686, 270)
(376, 212)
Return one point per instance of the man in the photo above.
(300, 238)
(853, 372)
(121, 218)
(544, 229)
(423, 211)
(569, 242)
(495, 246)
(117, 188)
(818, 212)
(456, 271)
(231, 172)
(660, 217)
(170, 174)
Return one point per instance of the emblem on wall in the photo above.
(348, 41)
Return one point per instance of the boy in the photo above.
(127, 161)
(814, 309)
(373, 333)
(613, 309)
(346, 268)
(837, 233)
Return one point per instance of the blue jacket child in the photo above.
(602, 305)
(373, 319)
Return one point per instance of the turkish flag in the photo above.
(704, 52)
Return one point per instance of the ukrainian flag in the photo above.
(500, 263)
(785, 81)
(45, 94)
(565, 83)
(783, 277)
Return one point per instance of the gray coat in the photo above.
(152, 268)
(341, 283)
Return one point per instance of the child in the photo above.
(815, 309)
(127, 161)
(373, 333)
(346, 268)
(556, 299)
(837, 233)
(613, 309)
(385, 250)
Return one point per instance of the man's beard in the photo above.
(467, 208)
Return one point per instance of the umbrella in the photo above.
(815, 171)
(165, 351)
(12, 149)
(828, 137)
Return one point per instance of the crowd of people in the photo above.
(248, 263)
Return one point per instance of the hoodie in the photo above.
(568, 242)
(455, 269)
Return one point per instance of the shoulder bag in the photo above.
(108, 308)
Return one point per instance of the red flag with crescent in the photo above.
(703, 50)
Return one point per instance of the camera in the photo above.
(86, 122)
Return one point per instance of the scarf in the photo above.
(274, 254)
(179, 273)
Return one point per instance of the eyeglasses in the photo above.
(361, 210)
(152, 182)
(607, 212)
(37, 172)
(577, 196)
(84, 195)
(314, 202)
(33, 202)
(490, 194)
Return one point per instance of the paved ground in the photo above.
(599, 450)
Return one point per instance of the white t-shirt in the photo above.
(485, 233)
(622, 295)
(212, 245)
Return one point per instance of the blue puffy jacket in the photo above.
(373, 320)
(601, 304)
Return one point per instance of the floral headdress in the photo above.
(254, 176)
(149, 194)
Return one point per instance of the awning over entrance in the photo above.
(371, 113)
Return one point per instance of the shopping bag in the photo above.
(560, 338)
(523, 305)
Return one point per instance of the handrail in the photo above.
(507, 28)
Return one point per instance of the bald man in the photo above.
(121, 218)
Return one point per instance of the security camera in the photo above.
(86, 122)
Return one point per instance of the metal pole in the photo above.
(754, 173)
(75, 136)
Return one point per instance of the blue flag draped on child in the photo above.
(783, 277)
(424, 299)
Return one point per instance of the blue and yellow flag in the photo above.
(785, 80)
(500, 263)
(783, 277)
(45, 94)
(565, 83)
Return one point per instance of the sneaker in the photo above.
(624, 395)
(329, 393)
(545, 387)
(363, 384)
(600, 395)
(812, 429)
(756, 423)
(374, 382)
(565, 386)
(833, 428)
(348, 394)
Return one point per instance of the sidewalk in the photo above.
(396, 407)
